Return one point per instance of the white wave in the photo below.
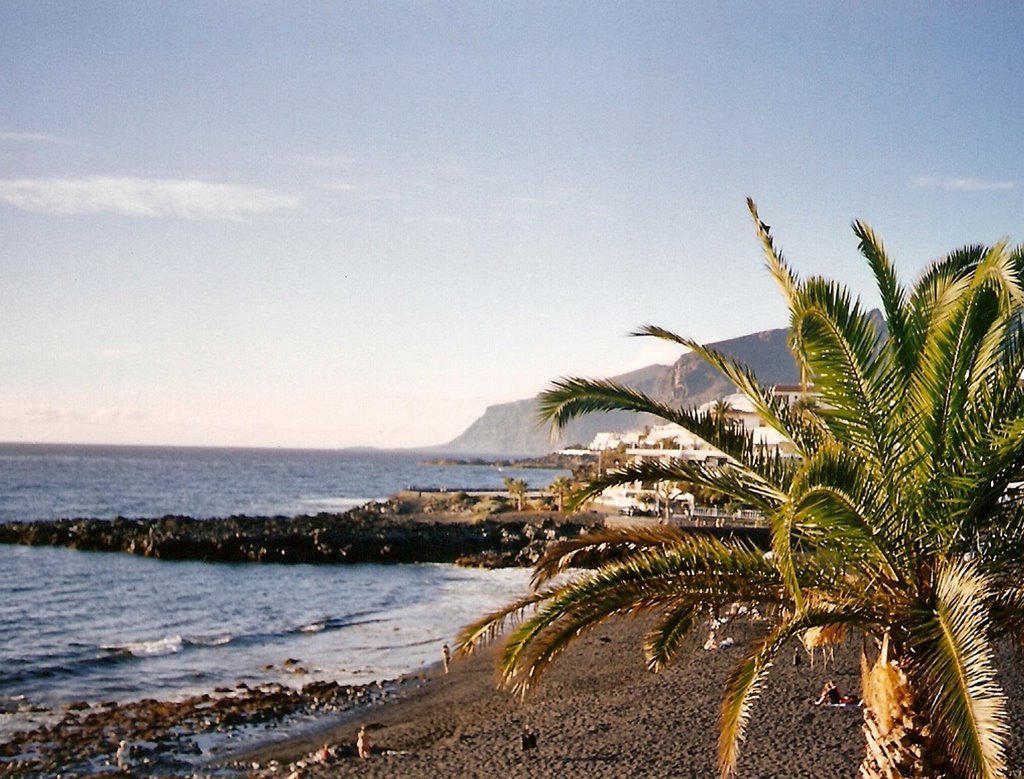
(314, 627)
(210, 640)
(168, 645)
(323, 504)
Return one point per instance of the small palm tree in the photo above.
(517, 489)
(894, 519)
(561, 487)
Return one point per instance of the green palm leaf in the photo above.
(956, 668)
(744, 484)
(665, 638)
(840, 342)
(769, 408)
(608, 546)
(901, 336)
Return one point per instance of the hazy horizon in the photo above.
(360, 224)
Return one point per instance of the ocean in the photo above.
(95, 627)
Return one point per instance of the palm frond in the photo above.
(572, 397)
(831, 519)
(663, 640)
(986, 505)
(961, 354)
(1006, 607)
(772, 410)
(901, 337)
(488, 628)
(744, 484)
(706, 572)
(783, 541)
(968, 709)
(784, 277)
(840, 343)
(601, 547)
(836, 506)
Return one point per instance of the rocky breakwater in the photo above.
(397, 531)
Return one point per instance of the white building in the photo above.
(672, 442)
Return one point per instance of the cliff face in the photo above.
(512, 428)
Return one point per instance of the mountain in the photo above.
(512, 428)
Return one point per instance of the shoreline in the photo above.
(600, 713)
(190, 734)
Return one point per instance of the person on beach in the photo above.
(529, 739)
(712, 643)
(829, 695)
(324, 754)
(363, 743)
(446, 656)
(121, 757)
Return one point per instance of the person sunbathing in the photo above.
(364, 746)
(713, 644)
(830, 695)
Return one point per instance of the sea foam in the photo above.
(169, 645)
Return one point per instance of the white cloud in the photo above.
(35, 138)
(132, 196)
(41, 414)
(117, 415)
(339, 187)
(49, 414)
(962, 184)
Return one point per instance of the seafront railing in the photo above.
(702, 516)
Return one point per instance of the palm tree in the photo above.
(561, 487)
(894, 520)
(517, 490)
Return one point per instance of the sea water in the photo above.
(98, 626)
(39, 481)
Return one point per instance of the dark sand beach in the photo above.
(599, 713)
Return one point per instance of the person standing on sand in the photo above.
(528, 738)
(121, 757)
(363, 743)
(446, 656)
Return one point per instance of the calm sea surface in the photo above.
(104, 626)
(52, 481)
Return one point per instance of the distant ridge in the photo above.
(512, 428)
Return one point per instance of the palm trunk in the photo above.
(897, 731)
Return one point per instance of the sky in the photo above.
(331, 224)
